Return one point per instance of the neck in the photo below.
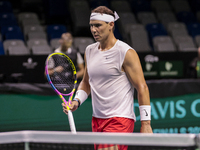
(108, 43)
(64, 48)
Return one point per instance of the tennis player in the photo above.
(112, 72)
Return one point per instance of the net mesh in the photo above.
(52, 140)
(63, 77)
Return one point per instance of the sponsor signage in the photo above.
(179, 114)
(163, 69)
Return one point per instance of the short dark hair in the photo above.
(103, 10)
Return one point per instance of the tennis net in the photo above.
(61, 140)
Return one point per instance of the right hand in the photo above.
(73, 107)
(59, 69)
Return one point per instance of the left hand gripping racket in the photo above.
(61, 75)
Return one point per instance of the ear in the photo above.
(112, 24)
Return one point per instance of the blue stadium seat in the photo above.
(155, 29)
(7, 19)
(1, 49)
(10, 29)
(55, 30)
(186, 17)
(5, 6)
(193, 29)
(14, 35)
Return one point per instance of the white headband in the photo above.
(104, 17)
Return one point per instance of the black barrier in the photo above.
(30, 69)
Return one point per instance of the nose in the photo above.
(92, 28)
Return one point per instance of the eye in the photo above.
(97, 25)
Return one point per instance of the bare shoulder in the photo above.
(131, 56)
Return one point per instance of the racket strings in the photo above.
(63, 77)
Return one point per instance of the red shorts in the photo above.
(115, 124)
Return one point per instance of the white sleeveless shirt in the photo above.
(111, 91)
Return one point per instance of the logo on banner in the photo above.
(30, 64)
(168, 66)
(148, 66)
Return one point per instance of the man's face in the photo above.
(66, 40)
(99, 29)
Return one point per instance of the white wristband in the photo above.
(81, 95)
(145, 112)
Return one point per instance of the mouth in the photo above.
(95, 36)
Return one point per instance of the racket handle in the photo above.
(71, 122)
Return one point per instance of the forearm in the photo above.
(143, 95)
(84, 86)
(79, 74)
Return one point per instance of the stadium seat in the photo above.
(8, 19)
(54, 43)
(41, 50)
(54, 35)
(155, 29)
(5, 6)
(27, 15)
(37, 35)
(180, 5)
(176, 25)
(125, 19)
(140, 5)
(55, 30)
(187, 47)
(161, 6)
(117, 6)
(6, 29)
(186, 17)
(80, 12)
(146, 17)
(32, 28)
(80, 43)
(186, 41)
(14, 35)
(139, 41)
(193, 29)
(2, 52)
(12, 43)
(30, 21)
(164, 44)
(18, 50)
(166, 47)
(132, 27)
(166, 17)
(33, 42)
(179, 32)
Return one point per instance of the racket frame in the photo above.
(61, 95)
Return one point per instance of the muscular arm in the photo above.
(134, 72)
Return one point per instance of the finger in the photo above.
(65, 111)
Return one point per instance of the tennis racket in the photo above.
(61, 75)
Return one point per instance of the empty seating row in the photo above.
(39, 46)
